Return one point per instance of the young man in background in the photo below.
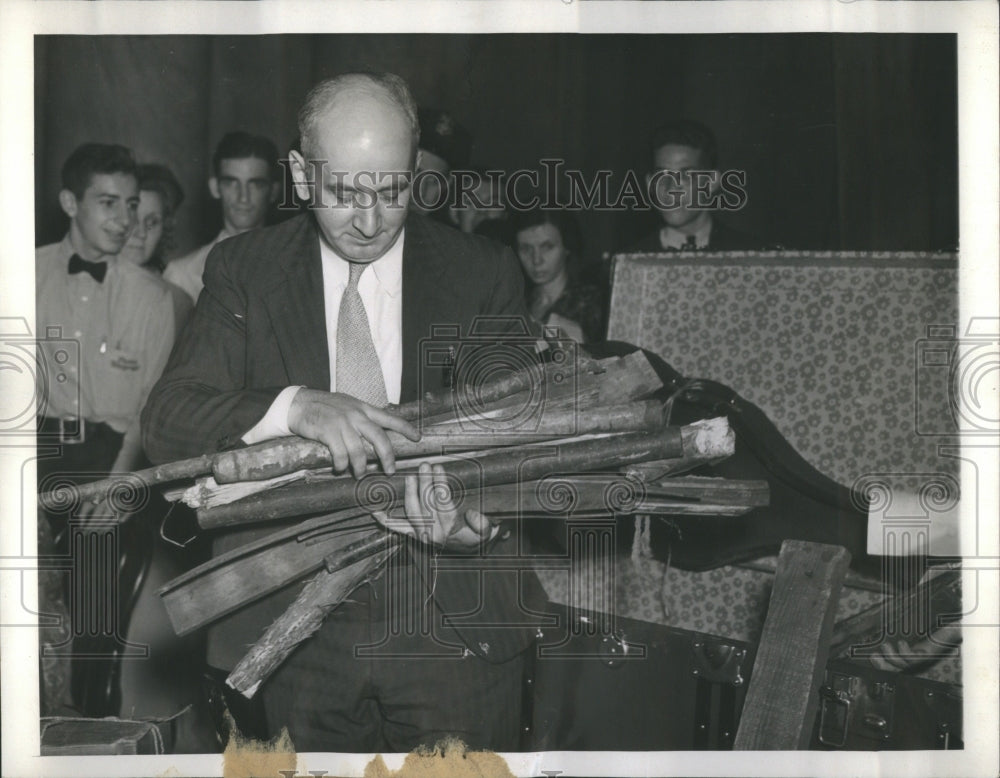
(245, 182)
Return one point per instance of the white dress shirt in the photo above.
(672, 238)
(118, 335)
(381, 290)
(186, 271)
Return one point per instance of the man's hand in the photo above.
(431, 516)
(129, 456)
(902, 656)
(341, 422)
(567, 327)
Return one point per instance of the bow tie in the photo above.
(97, 270)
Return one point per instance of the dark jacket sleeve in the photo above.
(200, 405)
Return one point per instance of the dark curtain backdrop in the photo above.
(849, 140)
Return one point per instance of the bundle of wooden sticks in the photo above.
(566, 439)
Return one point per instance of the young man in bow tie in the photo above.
(119, 318)
(105, 328)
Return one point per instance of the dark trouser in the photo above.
(406, 692)
(63, 463)
(80, 462)
(248, 715)
(92, 566)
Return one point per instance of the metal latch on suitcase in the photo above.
(871, 714)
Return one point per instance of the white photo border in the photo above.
(975, 24)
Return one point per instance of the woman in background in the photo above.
(160, 195)
(549, 246)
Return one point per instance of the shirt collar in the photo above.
(223, 234)
(67, 249)
(671, 238)
(388, 268)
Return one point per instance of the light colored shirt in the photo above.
(103, 345)
(186, 271)
(381, 290)
(183, 307)
(671, 238)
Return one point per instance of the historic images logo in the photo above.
(550, 187)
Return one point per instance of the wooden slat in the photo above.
(718, 491)
(591, 401)
(519, 463)
(221, 588)
(274, 458)
(928, 604)
(227, 582)
(705, 442)
(782, 699)
(304, 616)
(432, 407)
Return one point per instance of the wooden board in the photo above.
(794, 646)
(245, 574)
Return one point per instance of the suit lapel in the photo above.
(298, 316)
(294, 301)
(424, 302)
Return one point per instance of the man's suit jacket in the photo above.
(722, 238)
(260, 326)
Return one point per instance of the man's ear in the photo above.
(275, 191)
(67, 201)
(213, 187)
(305, 186)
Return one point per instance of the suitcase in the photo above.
(864, 709)
(598, 683)
(100, 737)
(602, 684)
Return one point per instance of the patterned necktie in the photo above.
(97, 270)
(359, 373)
(690, 244)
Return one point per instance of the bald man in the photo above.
(275, 347)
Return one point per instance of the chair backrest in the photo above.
(847, 353)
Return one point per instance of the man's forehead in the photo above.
(676, 155)
(347, 156)
(363, 180)
(112, 185)
(360, 97)
(357, 114)
(245, 166)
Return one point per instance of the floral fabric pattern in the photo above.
(830, 346)
(826, 345)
